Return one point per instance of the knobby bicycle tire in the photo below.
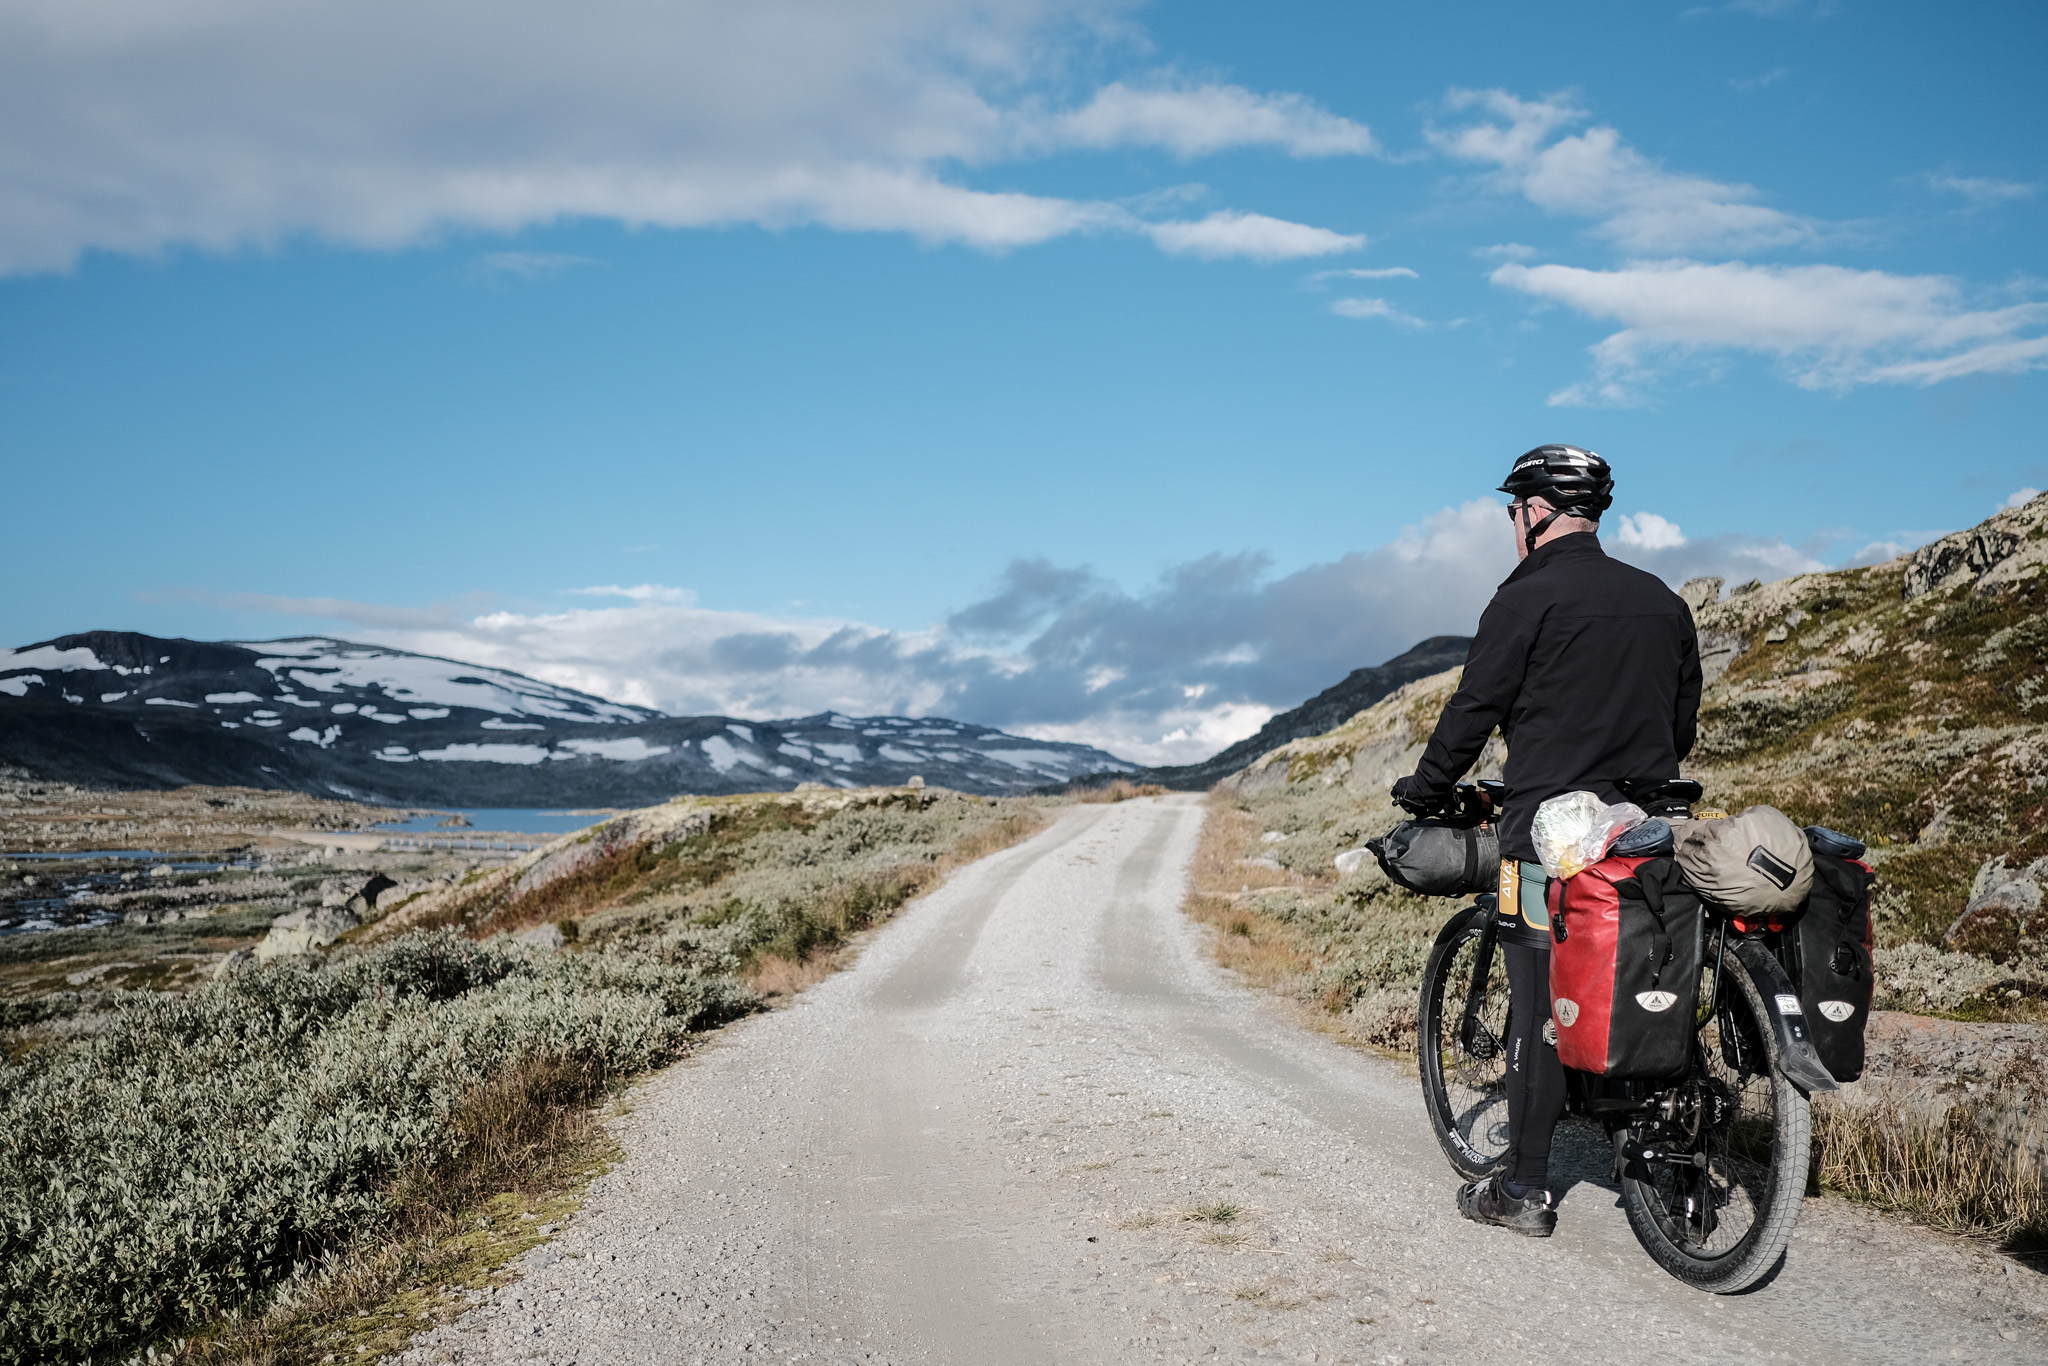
(1460, 1041)
(1756, 1151)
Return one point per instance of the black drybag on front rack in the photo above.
(1438, 858)
(1826, 952)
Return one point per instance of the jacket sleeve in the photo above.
(1494, 670)
(1685, 720)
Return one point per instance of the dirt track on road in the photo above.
(985, 1140)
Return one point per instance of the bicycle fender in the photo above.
(1796, 1056)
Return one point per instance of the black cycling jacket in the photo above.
(1591, 669)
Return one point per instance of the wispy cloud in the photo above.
(1252, 235)
(1192, 121)
(643, 592)
(1830, 328)
(1982, 192)
(1377, 273)
(527, 265)
(1633, 201)
(1374, 308)
(1746, 85)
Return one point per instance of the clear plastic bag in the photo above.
(1572, 831)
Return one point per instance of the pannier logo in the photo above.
(1566, 1011)
(1837, 1011)
(1656, 1000)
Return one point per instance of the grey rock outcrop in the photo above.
(547, 937)
(314, 928)
(306, 931)
(1701, 592)
(2008, 547)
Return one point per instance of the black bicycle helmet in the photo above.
(1573, 480)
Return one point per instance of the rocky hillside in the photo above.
(336, 718)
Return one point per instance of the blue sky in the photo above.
(1104, 371)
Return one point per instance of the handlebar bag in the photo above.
(1827, 954)
(1625, 968)
(1436, 858)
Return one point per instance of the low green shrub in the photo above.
(205, 1146)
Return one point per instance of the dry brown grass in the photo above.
(1266, 951)
(1953, 1178)
(777, 977)
(1119, 791)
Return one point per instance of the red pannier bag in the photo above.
(1624, 968)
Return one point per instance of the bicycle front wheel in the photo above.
(1716, 1208)
(1462, 1029)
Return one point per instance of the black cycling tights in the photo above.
(1535, 1077)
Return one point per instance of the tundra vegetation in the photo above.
(1906, 704)
(239, 1168)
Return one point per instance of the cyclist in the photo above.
(1591, 670)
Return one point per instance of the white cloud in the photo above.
(1169, 673)
(642, 592)
(1254, 235)
(1505, 251)
(1201, 120)
(1648, 531)
(1982, 191)
(2020, 498)
(1374, 308)
(1637, 204)
(1831, 328)
(225, 123)
(1377, 273)
(1656, 543)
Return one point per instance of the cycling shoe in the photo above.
(1485, 1202)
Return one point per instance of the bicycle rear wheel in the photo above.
(1462, 1031)
(1719, 1217)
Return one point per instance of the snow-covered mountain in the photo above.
(334, 717)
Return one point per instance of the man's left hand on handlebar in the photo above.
(1416, 797)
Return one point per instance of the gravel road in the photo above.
(984, 1141)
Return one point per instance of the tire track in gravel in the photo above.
(978, 1144)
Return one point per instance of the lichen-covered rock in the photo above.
(306, 931)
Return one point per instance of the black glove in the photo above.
(1415, 796)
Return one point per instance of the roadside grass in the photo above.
(1953, 1179)
(291, 1163)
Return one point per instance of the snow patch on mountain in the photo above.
(328, 666)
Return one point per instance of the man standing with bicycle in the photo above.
(1590, 669)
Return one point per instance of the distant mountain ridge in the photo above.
(339, 718)
(1328, 709)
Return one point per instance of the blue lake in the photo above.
(510, 820)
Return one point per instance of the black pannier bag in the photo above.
(1827, 952)
(1437, 858)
